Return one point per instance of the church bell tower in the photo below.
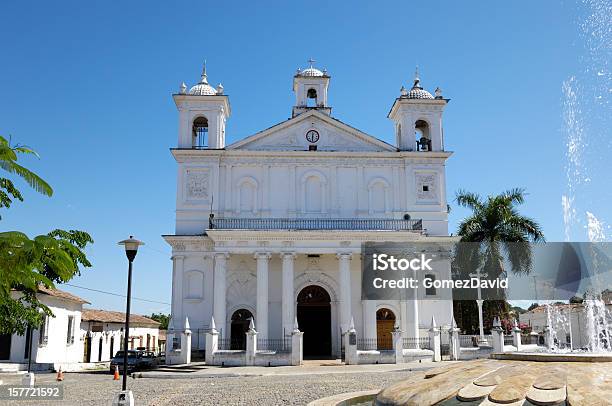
(310, 87)
(417, 116)
(203, 111)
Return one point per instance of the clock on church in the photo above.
(312, 136)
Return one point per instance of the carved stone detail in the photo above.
(197, 184)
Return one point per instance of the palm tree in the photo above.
(8, 162)
(499, 232)
(497, 225)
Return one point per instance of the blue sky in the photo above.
(89, 87)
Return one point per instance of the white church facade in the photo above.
(271, 226)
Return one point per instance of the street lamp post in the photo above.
(131, 248)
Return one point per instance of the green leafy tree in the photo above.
(163, 319)
(501, 235)
(26, 264)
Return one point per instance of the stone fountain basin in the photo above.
(511, 382)
(550, 357)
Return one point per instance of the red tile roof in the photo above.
(61, 294)
(108, 316)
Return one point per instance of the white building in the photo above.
(56, 344)
(569, 323)
(102, 334)
(74, 338)
(289, 209)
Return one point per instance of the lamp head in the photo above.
(131, 247)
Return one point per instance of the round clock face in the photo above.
(312, 136)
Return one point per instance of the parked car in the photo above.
(137, 361)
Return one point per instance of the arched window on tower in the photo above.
(200, 133)
(423, 139)
(311, 98)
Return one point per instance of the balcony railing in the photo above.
(233, 223)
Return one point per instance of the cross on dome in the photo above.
(417, 91)
(203, 88)
(311, 70)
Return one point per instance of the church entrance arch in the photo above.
(314, 320)
(241, 319)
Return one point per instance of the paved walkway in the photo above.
(201, 370)
(258, 386)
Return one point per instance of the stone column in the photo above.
(480, 321)
(177, 286)
(369, 319)
(219, 301)
(263, 260)
(434, 339)
(345, 289)
(288, 301)
(414, 331)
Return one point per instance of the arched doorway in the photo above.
(385, 321)
(240, 325)
(314, 320)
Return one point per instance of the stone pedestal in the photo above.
(182, 354)
(123, 398)
(498, 336)
(434, 339)
(186, 344)
(455, 346)
(297, 347)
(29, 379)
(516, 336)
(212, 343)
(350, 345)
(251, 344)
(398, 346)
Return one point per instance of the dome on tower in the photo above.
(417, 91)
(203, 88)
(311, 71)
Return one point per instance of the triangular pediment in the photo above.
(290, 135)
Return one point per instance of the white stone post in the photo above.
(186, 343)
(172, 354)
(498, 336)
(297, 345)
(350, 345)
(398, 345)
(516, 335)
(262, 293)
(212, 343)
(251, 344)
(455, 345)
(288, 301)
(479, 302)
(415, 314)
(219, 287)
(345, 289)
(434, 339)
